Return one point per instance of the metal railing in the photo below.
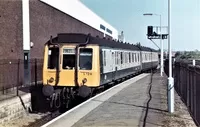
(187, 85)
(189, 61)
(12, 75)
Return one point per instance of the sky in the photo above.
(127, 16)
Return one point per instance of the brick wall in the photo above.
(11, 45)
(46, 21)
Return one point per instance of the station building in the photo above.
(26, 25)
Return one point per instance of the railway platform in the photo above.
(140, 101)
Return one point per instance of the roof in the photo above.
(79, 38)
(143, 48)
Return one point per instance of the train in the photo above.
(76, 64)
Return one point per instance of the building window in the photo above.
(109, 31)
(102, 27)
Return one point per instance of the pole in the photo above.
(161, 52)
(170, 79)
(155, 43)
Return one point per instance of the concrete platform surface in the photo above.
(127, 105)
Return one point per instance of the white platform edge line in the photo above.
(62, 115)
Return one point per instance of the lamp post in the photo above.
(161, 43)
(170, 79)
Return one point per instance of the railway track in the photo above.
(56, 113)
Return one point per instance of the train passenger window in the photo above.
(136, 60)
(132, 57)
(118, 59)
(125, 56)
(85, 59)
(68, 59)
(104, 58)
(138, 57)
(53, 57)
(115, 58)
(129, 57)
(145, 56)
(121, 58)
(124, 59)
(135, 57)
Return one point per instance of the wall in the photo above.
(14, 108)
(11, 45)
(78, 10)
(46, 21)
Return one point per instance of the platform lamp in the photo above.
(161, 43)
(170, 78)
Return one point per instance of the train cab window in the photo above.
(68, 58)
(53, 57)
(85, 59)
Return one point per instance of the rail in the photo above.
(13, 77)
(187, 85)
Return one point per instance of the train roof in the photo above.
(143, 48)
(80, 38)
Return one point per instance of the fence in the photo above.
(187, 85)
(12, 74)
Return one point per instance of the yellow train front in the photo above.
(75, 64)
(71, 68)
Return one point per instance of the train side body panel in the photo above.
(118, 63)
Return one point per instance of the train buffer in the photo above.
(138, 101)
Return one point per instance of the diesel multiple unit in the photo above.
(76, 64)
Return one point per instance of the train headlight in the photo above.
(84, 81)
(51, 80)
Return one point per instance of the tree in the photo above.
(177, 54)
(138, 44)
